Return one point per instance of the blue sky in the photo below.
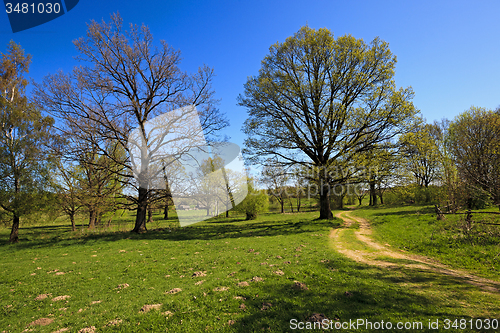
(448, 51)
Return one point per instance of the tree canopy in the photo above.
(318, 100)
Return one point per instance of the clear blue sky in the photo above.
(448, 51)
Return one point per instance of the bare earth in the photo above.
(378, 252)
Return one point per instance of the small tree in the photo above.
(255, 202)
(67, 184)
(422, 154)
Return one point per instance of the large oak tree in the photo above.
(318, 100)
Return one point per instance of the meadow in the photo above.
(226, 275)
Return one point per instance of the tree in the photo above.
(254, 203)
(127, 84)
(318, 100)
(299, 186)
(474, 142)
(275, 178)
(67, 184)
(25, 135)
(377, 170)
(423, 156)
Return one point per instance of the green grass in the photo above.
(230, 251)
(415, 229)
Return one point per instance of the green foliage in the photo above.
(25, 135)
(255, 202)
(415, 194)
(422, 154)
(474, 142)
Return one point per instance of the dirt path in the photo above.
(377, 254)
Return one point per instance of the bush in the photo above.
(255, 202)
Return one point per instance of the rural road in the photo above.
(365, 250)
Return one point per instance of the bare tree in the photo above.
(126, 83)
(276, 178)
(67, 183)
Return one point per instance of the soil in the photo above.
(42, 322)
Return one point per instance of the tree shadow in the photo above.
(358, 297)
(208, 230)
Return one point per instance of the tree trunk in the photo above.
(228, 188)
(373, 195)
(375, 199)
(142, 206)
(165, 212)
(150, 215)
(360, 199)
(92, 217)
(72, 219)
(282, 202)
(14, 233)
(325, 211)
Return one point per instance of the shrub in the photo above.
(255, 202)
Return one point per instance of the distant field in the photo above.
(222, 275)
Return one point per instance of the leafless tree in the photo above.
(125, 83)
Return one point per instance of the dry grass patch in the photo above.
(174, 291)
(149, 307)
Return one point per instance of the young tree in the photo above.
(24, 137)
(275, 178)
(254, 203)
(422, 153)
(318, 99)
(128, 82)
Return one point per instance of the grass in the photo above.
(110, 275)
(415, 229)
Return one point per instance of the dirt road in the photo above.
(364, 249)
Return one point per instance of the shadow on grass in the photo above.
(35, 237)
(385, 210)
(372, 294)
